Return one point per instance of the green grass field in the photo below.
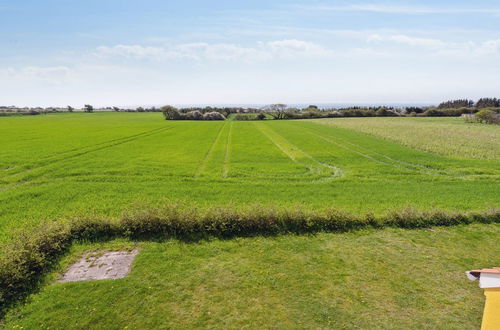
(69, 164)
(64, 165)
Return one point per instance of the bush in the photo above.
(213, 116)
(488, 116)
(259, 116)
(171, 113)
(23, 262)
(193, 115)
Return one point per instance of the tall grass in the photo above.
(24, 261)
(448, 137)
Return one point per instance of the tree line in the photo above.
(279, 111)
(485, 102)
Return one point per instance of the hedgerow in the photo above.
(25, 260)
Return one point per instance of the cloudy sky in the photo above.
(152, 52)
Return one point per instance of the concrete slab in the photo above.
(109, 265)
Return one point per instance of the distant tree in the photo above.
(116, 109)
(70, 108)
(170, 112)
(486, 102)
(278, 111)
(465, 103)
(140, 109)
(88, 108)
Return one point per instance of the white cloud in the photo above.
(51, 74)
(456, 49)
(490, 46)
(287, 48)
(294, 47)
(398, 9)
(137, 52)
(404, 39)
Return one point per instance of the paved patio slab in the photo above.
(109, 265)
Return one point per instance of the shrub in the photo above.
(488, 116)
(193, 115)
(170, 112)
(382, 112)
(259, 116)
(23, 261)
(213, 116)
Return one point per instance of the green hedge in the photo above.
(24, 261)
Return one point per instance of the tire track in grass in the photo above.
(227, 156)
(354, 151)
(208, 155)
(389, 161)
(294, 153)
(53, 157)
(411, 165)
(392, 162)
(82, 153)
(15, 185)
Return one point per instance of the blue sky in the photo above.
(151, 52)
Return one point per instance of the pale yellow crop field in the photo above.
(443, 136)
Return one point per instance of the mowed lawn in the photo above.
(385, 279)
(78, 164)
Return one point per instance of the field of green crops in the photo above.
(100, 164)
(78, 164)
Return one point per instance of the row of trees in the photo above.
(282, 111)
(172, 113)
(485, 102)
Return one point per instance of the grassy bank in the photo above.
(392, 278)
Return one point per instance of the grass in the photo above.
(393, 278)
(443, 136)
(97, 165)
(63, 165)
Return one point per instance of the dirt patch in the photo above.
(108, 265)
